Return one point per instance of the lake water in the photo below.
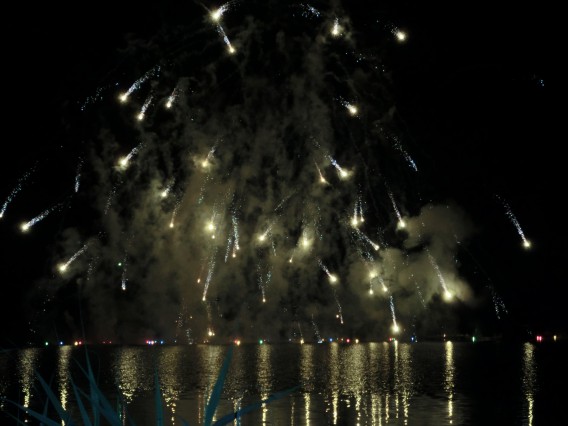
(437, 383)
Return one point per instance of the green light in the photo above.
(119, 264)
(46, 343)
(473, 339)
(260, 341)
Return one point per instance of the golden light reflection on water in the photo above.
(169, 366)
(403, 378)
(209, 364)
(367, 384)
(132, 372)
(334, 384)
(449, 378)
(354, 374)
(27, 367)
(63, 358)
(529, 379)
(307, 376)
(264, 377)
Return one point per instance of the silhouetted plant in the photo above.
(94, 406)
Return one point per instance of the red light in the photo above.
(539, 338)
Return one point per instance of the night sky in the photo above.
(456, 133)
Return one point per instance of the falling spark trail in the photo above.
(15, 191)
(316, 330)
(321, 178)
(222, 33)
(405, 154)
(172, 98)
(332, 278)
(217, 14)
(78, 175)
(394, 323)
(124, 277)
(124, 161)
(447, 294)
(212, 262)
(420, 295)
(63, 267)
(309, 10)
(401, 223)
(357, 213)
(339, 309)
(342, 172)
(511, 216)
(26, 226)
(366, 239)
(263, 281)
(145, 108)
(336, 29)
(136, 85)
(498, 303)
(167, 190)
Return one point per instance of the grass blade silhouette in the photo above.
(216, 393)
(255, 406)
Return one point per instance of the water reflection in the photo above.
(307, 374)
(449, 378)
(368, 384)
(27, 367)
(529, 380)
(64, 356)
(171, 382)
(131, 372)
(403, 377)
(333, 374)
(264, 377)
(210, 363)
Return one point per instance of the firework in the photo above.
(27, 225)
(63, 266)
(15, 191)
(512, 217)
(154, 72)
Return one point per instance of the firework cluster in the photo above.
(253, 182)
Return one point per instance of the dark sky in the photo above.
(458, 126)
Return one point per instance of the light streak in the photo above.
(343, 174)
(511, 216)
(336, 28)
(15, 191)
(401, 224)
(124, 162)
(142, 113)
(339, 309)
(211, 268)
(332, 278)
(316, 330)
(63, 267)
(222, 33)
(309, 10)
(321, 178)
(173, 97)
(395, 326)
(78, 175)
(447, 294)
(405, 154)
(136, 85)
(27, 225)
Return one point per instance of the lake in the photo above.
(385, 383)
